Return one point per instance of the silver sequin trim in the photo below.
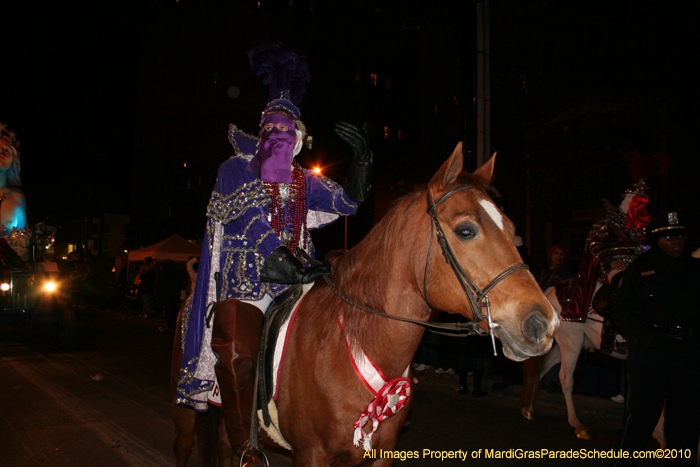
(225, 209)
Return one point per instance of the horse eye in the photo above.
(465, 231)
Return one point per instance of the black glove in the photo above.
(359, 177)
(282, 267)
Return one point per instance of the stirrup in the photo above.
(621, 347)
(254, 457)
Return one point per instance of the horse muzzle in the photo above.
(535, 327)
(534, 337)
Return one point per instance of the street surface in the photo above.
(108, 404)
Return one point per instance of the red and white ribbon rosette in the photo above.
(389, 400)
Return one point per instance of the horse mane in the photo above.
(360, 276)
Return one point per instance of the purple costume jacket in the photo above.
(237, 242)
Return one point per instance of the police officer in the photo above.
(658, 312)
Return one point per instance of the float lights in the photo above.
(317, 170)
(4, 286)
(49, 286)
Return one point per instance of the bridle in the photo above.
(474, 294)
(477, 298)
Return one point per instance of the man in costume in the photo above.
(259, 215)
(657, 311)
(614, 241)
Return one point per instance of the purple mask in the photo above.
(273, 163)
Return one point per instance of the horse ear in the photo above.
(449, 171)
(486, 170)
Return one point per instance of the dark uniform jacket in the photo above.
(658, 305)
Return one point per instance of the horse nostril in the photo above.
(535, 327)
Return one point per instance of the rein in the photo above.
(429, 326)
(477, 298)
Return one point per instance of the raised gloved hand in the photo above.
(282, 267)
(359, 177)
(356, 138)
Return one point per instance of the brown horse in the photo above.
(398, 269)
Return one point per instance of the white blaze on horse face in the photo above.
(493, 212)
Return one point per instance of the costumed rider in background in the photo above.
(262, 207)
(614, 241)
(13, 215)
(656, 310)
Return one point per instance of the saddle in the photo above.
(274, 317)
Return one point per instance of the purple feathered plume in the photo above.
(285, 67)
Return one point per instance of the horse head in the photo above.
(481, 241)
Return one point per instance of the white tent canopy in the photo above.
(175, 248)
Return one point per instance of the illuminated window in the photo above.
(309, 142)
(400, 135)
(386, 132)
(387, 84)
(373, 79)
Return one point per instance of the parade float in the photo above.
(29, 288)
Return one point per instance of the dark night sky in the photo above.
(70, 82)
(68, 93)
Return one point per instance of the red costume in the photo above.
(613, 237)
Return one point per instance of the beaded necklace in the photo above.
(287, 211)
